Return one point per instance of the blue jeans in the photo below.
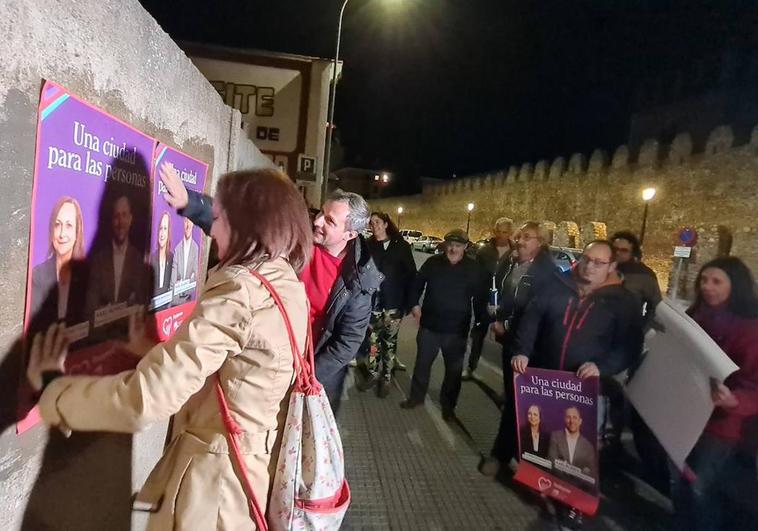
(699, 505)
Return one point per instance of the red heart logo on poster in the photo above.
(167, 322)
(544, 483)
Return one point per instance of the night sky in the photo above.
(441, 87)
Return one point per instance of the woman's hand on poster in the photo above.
(722, 396)
(139, 342)
(519, 364)
(587, 370)
(416, 313)
(48, 354)
(176, 194)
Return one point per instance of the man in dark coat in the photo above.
(452, 284)
(493, 257)
(340, 280)
(526, 274)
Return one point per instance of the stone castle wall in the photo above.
(715, 191)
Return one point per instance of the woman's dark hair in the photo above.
(267, 217)
(632, 239)
(392, 230)
(743, 300)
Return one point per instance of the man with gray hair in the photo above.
(340, 280)
(492, 256)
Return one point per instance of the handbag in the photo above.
(309, 491)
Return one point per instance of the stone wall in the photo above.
(715, 188)
(114, 55)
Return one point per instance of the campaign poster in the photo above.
(94, 230)
(176, 244)
(556, 417)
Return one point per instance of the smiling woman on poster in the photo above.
(161, 262)
(534, 439)
(58, 283)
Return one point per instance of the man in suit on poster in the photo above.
(186, 259)
(117, 271)
(570, 447)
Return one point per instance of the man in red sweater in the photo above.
(340, 279)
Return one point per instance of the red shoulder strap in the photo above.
(305, 381)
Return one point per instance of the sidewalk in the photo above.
(411, 470)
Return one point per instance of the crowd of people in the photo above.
(352, 291)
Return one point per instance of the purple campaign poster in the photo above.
(91, 207)
(556, 417)
(176, 244)
(95, 219)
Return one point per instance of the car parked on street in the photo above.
(565, 257)
(426, 244)
(410, 235)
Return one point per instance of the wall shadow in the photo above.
(85, 481)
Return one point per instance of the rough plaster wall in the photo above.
(704, 191)
(114, 55)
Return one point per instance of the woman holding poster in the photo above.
(58, 283)
(236, 336)
(162, 263)
(726, 307)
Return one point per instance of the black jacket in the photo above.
(449, 293)
(605, 328)
(348, 312)
(348, 307)
(490, 260)
(641, 281)
(513, 302)
(399, 269)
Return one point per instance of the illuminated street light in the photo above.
(332, 100)
(399, 215)
(385, 178)
(647, 195)
(470, 208)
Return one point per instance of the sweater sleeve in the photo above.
(166, 377)
(199, 210)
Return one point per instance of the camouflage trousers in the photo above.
(384, 327)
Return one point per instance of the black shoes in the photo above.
(384, 388)
(448, 415)
(410, 404)
(370, 381)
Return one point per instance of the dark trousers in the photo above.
(478, 333)
(333, 388)
(453, 347)
(700, 505)
(505, 446)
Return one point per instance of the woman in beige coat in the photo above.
(235, 331)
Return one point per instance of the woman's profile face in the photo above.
(533, 416)
(64, 230)
(221, 232)
(378, 227)
(163, 232)
(715, 286)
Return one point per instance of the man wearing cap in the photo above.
(452, 284)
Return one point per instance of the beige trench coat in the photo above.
(237, 331)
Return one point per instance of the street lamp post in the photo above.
(332, 98)
(399, 215)
(470, 208)
(647, 195)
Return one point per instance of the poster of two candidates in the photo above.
(556, 420)
(103, 240)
